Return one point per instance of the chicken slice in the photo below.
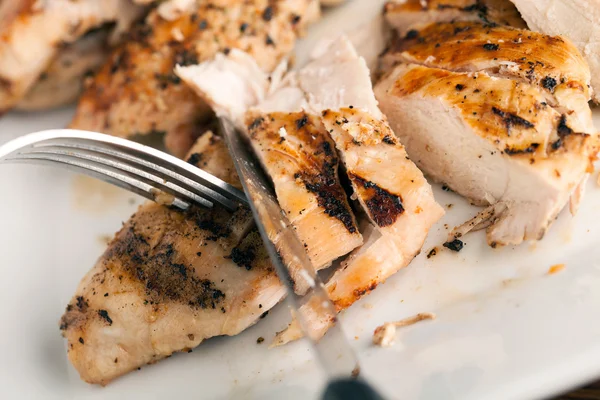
(31, 33)
(300, 158)
(137, 92)
(62, 82)
(574, 19)
(168, 281)
(550, 62)
(493, 140)
(409, 14)
(392, 191)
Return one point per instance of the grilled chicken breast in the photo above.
(494, 140)
(398, 203)
(168, 281)
(550, 62)
(62, 82)
(409, 14)
(32, 32)
(137, 91)
(574, 19)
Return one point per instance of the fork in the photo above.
(141, 169)
(152, 173)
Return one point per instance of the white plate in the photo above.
(506, 329)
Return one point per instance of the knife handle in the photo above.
(350, 389)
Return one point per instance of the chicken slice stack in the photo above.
(498, 114)
(332, 96)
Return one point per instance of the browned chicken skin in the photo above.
(169, 280)
(410, 14)
(137, 92)
(550, 62)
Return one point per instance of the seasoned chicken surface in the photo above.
(137, 91)
(552, 63)
(62, 82)
(389, 187)
(410, 14)
(168, 281)
(31, 33)
(494, 140)
(300, 157)
(574, 19)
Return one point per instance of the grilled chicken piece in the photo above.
(574, 19)
(398, 203)
(300, 158)
(494, 140)
(137, 91)
(411, 14)
(551, 62)
(62, 82)
(168, 281)
(31, 33)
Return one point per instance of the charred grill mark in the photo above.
(384, 207)
(330, 195)
(530, 149)
(243, 257)
(491, 46)
(157, 269)
(511, 120)
(549, 83)
(195, 159)
(208, 223)
(563, 129)
(388, 139)
(301, 121)
(81, 304)
(104, 315)
(255, 124)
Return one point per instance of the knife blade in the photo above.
(335, 354)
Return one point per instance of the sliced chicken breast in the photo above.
(494, 140)
(551, 62)
(574, 19)
(404, 15)
(391, 190)
(137, 91)
(168, 281)
(32, 32)
(62, 82)
(301, 160)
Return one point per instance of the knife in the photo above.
(333, 351)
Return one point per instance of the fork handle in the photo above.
(350, 389)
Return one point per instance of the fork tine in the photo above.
(105, 174)
(149, 178)
(230, 202)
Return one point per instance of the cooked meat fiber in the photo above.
(392, 191)
(62, 82)
(573, 19)
(137, 92)
(300, 158)
(494, 140)
(410, 14)
(550, 62)
(32, 33)
(168, 281)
